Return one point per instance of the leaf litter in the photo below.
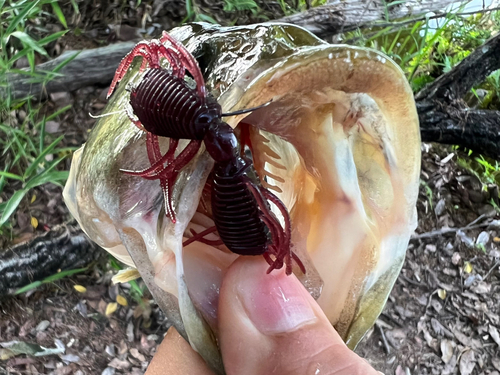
(446, 301)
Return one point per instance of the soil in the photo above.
(441, 318)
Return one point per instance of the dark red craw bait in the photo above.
(164, 105)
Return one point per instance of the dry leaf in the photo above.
(80, 288)
(119, 364)
(135, 353)
(127, 275)
(121, 300)
(481, 288)
(442, 293)
(111, 308)
(33, 198)
(34, 222)
(494, 334)
(447, 348)
(496, 363)
(467, 362)
(467, 267)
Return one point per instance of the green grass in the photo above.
(485, 169)
(252, 8)
(50, 279)
(29, 157)
(425, 52)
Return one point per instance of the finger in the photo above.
(175, 357)
(270, 324)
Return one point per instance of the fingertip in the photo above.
(175, 356)
(270, 323)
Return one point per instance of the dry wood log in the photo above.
(340, 16)
(63, 247)
(90, 67)
(97, 66)
(444, 116)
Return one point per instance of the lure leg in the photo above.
(280, 248)
(188, 61)
(170, 172)
(199, 237)
(151, 53)
(167, 174)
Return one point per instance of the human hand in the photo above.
(268, 324)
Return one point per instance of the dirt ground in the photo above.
(443, 316)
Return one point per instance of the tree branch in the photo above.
(90, 67)
(444, 116)
(63, 247)
(339, 16)
(471, 71)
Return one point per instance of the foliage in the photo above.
(194, 14)
(491, 88)
(250, 10)
(426, 49)
(485, 169)
(49, 279)
(29, 157)
(136, 291)
(240, 5)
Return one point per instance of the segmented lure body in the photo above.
(165, 105)
(235, 211)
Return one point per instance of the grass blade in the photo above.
(12, 204)
(58, 112)
(51, 38)
(48, 176)
(28, 287)
(41, 157)
(62, 274)
(20, 17)
(11, 176)
(28, 41)
(58, 12)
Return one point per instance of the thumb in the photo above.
(270, 324)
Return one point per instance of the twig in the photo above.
(481, 217)
(491, 270)
(442, 231)
(413, 282)
(423, 18)
(384, 339)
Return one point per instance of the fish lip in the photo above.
(231, 100)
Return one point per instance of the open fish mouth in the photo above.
(339, 145)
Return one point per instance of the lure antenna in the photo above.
(242, 111)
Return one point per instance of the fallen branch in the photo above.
(63, 247)
(471, 71)
(90, 67)
(444, 231)
(340, 16)
(444, 116)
